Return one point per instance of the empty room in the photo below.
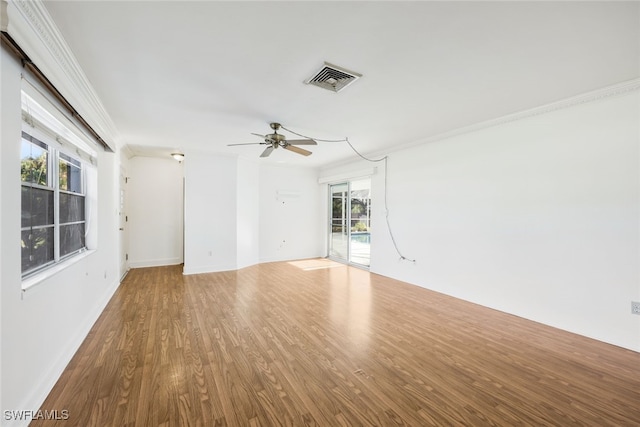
(319, 213)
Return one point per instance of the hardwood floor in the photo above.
(315, 343)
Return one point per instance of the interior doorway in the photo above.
(123, 229)
(350, 222)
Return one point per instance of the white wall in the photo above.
(247, 213)
(537, 217)
(42, 328)
(210, 212)
(239, 212)
(155, 211)
(291, 214)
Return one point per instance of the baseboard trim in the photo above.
(35, 400)
(155, 262)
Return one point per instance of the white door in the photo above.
(123, 220)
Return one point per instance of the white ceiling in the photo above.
(199, 75)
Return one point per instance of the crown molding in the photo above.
(587, 97)
(596, 95)
(30, 25)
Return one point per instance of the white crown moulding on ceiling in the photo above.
(31, 26)
(592, 96)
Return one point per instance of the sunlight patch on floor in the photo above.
(315, 264)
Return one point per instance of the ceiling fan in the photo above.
(275, 140)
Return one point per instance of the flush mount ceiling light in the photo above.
(333, 78)
(178, 156)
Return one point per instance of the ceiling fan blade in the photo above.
(301, 142)
(297, 149)
(258, 135)
(247, 143)
(266, 152)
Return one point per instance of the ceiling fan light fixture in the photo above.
(178, 156)
(275, 140)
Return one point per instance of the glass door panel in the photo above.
(360, 222)
(350, 222)
(339, 231)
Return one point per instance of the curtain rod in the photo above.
(27, 63)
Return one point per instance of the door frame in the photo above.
(347, 220)
(123, 229)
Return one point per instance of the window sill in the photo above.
(35, 280)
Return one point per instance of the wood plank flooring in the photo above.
(315, 343)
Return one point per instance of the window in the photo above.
(37, 205)
(53, 205)
(54, 172)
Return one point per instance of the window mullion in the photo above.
(55, 181)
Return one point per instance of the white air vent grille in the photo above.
(333, 78)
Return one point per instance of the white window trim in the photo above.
(60, 138)
(54, 174)
(43, 275)
(347, 176)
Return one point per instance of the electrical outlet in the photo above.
(635, 307)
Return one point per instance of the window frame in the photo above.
(55, 150)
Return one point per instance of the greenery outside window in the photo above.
(53, 220)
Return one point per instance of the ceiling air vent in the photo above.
(333, 78)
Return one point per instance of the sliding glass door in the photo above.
(350, 222)
(360, 222)
(338, 230)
